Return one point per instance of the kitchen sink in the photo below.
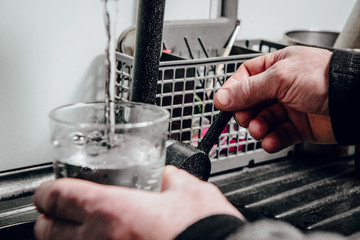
(311, 193)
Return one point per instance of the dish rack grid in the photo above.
(186, 88)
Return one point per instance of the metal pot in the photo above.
(312, 38)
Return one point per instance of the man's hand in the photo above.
(282, 97)
(77, 209)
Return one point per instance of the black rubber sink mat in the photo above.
(309, 194)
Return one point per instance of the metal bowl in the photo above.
(312, 38)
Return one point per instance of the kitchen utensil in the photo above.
(196, 160)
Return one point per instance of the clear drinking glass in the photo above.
(130, 152)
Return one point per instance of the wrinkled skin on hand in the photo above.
(282, 97)
(78, 209)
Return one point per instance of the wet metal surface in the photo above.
(310, 195)
(17, 212)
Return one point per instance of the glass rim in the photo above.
(165, 115)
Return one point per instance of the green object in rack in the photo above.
(197, 108)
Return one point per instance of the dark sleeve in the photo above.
(212, 228)
(226, 227)
(344, 96)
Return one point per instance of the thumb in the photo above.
(241, 94)
(174, 177)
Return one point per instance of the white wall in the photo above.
(270, 19)
(52, 53)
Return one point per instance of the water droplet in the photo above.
(56, 143)
(77, 138)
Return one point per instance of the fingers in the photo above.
(249, 85)
(273, 126)
(244, 117)
(248, 92)
(281, 137)
(266, 120)
(47, 228)
(64, 198)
